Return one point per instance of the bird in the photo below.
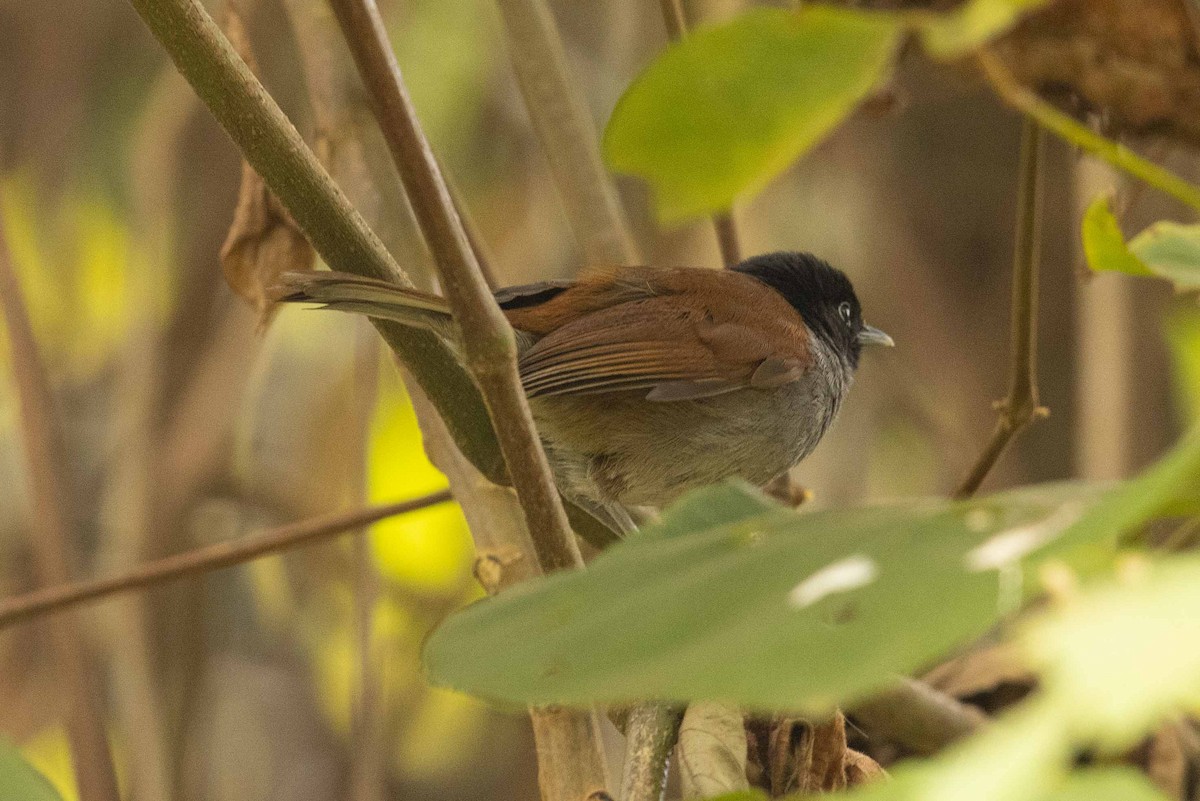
(647, 382)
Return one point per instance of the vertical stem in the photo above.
(566, 132)
(1020, 407)
(368, 761)
(53, 535)
(652, 730)
(488, 344)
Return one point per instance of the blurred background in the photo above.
(186, 425)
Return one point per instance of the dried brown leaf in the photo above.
(264, 241)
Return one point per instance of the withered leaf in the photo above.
(712, 750)
(264, 241)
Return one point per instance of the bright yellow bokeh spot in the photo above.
(429, 549)
(50, 754)
(86, 283)
(439, 734)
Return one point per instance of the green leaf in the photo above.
(1172, 251)
(769, 608)
(1166, 249)
(955, 33)
(1107, 784)
(1183, 337)
(747, 795)
(1124, 655)
(730, 107)
(20, 780)
(776, 609)
(1104, 244)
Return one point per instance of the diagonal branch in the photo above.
(273, 147)
(59, 598)
(488, 344)
(1020, 407)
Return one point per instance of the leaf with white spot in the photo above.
(768, 607)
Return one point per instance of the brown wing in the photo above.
(673, 334)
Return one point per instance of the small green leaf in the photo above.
(20, 780)
(1166, 249)
(1104, 244)
(1183, 338)
(1126, 654)
(1172, 251)
(730, 107)
(955, 33)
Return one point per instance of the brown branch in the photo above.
(59, 598)
(1020, 407)
(488, 343)
(54, 532)
(918, 717)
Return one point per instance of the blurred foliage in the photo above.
(1166, 249)
(21, 780)
(427, 550)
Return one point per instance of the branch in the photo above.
(566, 132)
(651, 731)
(918, 717)
(488, 344)
(1081, 136)
(1020, 407)
(272, 146)
(55, 599)
(54, 531)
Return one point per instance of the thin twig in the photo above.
(651, 732)
(53, 533)
(273, 147)
(488, 343)
(1020, 407)
(566, 133)
(59, 598)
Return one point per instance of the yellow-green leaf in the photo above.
(730, 107)
(972, 24)
(20, 780)
(1104, 244)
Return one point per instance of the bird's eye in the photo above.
(846, 313)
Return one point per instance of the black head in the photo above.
(824, 297)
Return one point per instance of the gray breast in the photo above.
(750, 434)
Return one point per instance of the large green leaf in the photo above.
(20, 780)
(1166, 249)
(729, 108)
(776, 609)
(771, 608)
